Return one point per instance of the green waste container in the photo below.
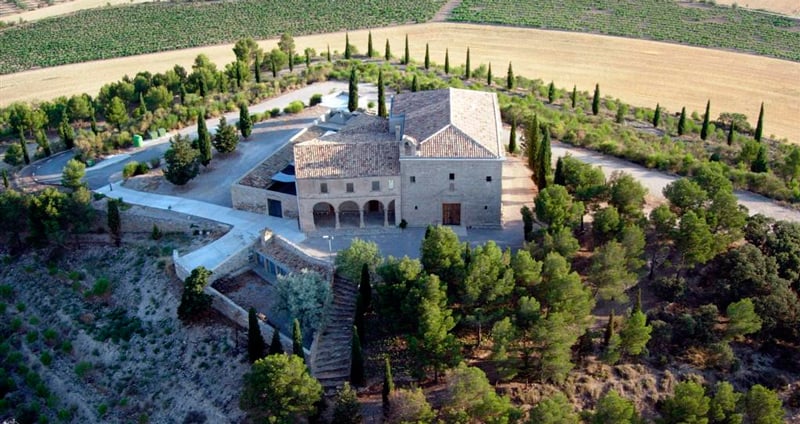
(137, 140)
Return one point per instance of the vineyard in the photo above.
(696, 24)
(151, 27)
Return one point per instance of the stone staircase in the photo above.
(331, 365)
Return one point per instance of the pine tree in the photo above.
(467, 70)
(245, 121)
(347, 54)
(387, 53)
(370, 51)
(532, 144)
(657, 115)
(706, 119)
(447, 61)
(357, 361)
(24, 145)
(67, 133)
(574, 96)
(596, 100)
(203, 139)
(352, 102)
(512, 138)
(761, 163)
(730, 132)
(489, 75)
(545, 157)
(406, 54)
(510, 77)
(225, 140)
(388, 386)
(381, 96)
(434, 347)
(114, 222)
(427, 57)
(558, 177)
(275, 346)
(5, 179)
(760, 125)
(346, 409)
(414, 84)
(297, 340)
(551, 93)
(256, 346)
(682, 122)
(635, 334)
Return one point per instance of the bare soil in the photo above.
(783, 7)
(640, 72)
(162, 371)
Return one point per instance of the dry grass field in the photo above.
(638, 72)
(784, 7)
(63, 8)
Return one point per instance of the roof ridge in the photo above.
(475, 142)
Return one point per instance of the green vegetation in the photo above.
(697, 24)
(169, 26)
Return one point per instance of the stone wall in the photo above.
(481, 200)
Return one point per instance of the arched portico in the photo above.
(374, 214)
(324, 215)
(350, 215)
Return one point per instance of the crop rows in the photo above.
(695, 24)
(151, 27)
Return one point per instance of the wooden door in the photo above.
(451, 213)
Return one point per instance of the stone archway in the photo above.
(349, 215)
(374, 214)
(391, 213)
(324, 215)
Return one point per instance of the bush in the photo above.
(669, 288)
(315, 99)
(294, 107)
(13, 155)
(83, 368)
(274, 112)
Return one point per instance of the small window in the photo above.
(488, 178)
(323, 187)
(391, 184)
(416, 207)
(452, 176)
(349, 187)
(413, 179)
(376, 186)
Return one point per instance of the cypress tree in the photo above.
(388, 386)
(545, 158)
(512, 138)
(43, 142)
(357, 361)
(329, 53)
(574, 96)
(291, 61)
(387, 54)
(142, 109)
(657, 115)
(203, 139)
(406, 55)
(706, 118)
(370, 51)
(428, 231)
(532, 144)
(114, 222)
(297, 340)
(761, 164)
(447, 61)
(204, 88)
(245, 122)
(238, 72)
(596, 100)
(489, 75)
(183, 92)
(551, 93)
(510, 77)
(682, 122)
(730, 133)
(256, 70)
(93, 119)
(347, 45)
(414, 84)
(308, 58)
(427, 57)
(5, 179)
(275, 346)
(352, 102)
(609, 329)
(467, 71)
(381, 96)
(255, 341)
(66, 132)
(558, 177)
(365, 287)
(760, 124)
(22, 143)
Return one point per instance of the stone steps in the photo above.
(332, 366)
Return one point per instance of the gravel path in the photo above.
(655, 181)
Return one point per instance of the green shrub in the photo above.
(315, 99)
(101, 287)
(129, 170)
(46, 358)
(274, 112)
(294, 107)
(83, 368)
(13, 155)
(6, 291)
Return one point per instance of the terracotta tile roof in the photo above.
(363, 148)
(445, 122)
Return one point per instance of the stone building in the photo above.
(437, 159)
